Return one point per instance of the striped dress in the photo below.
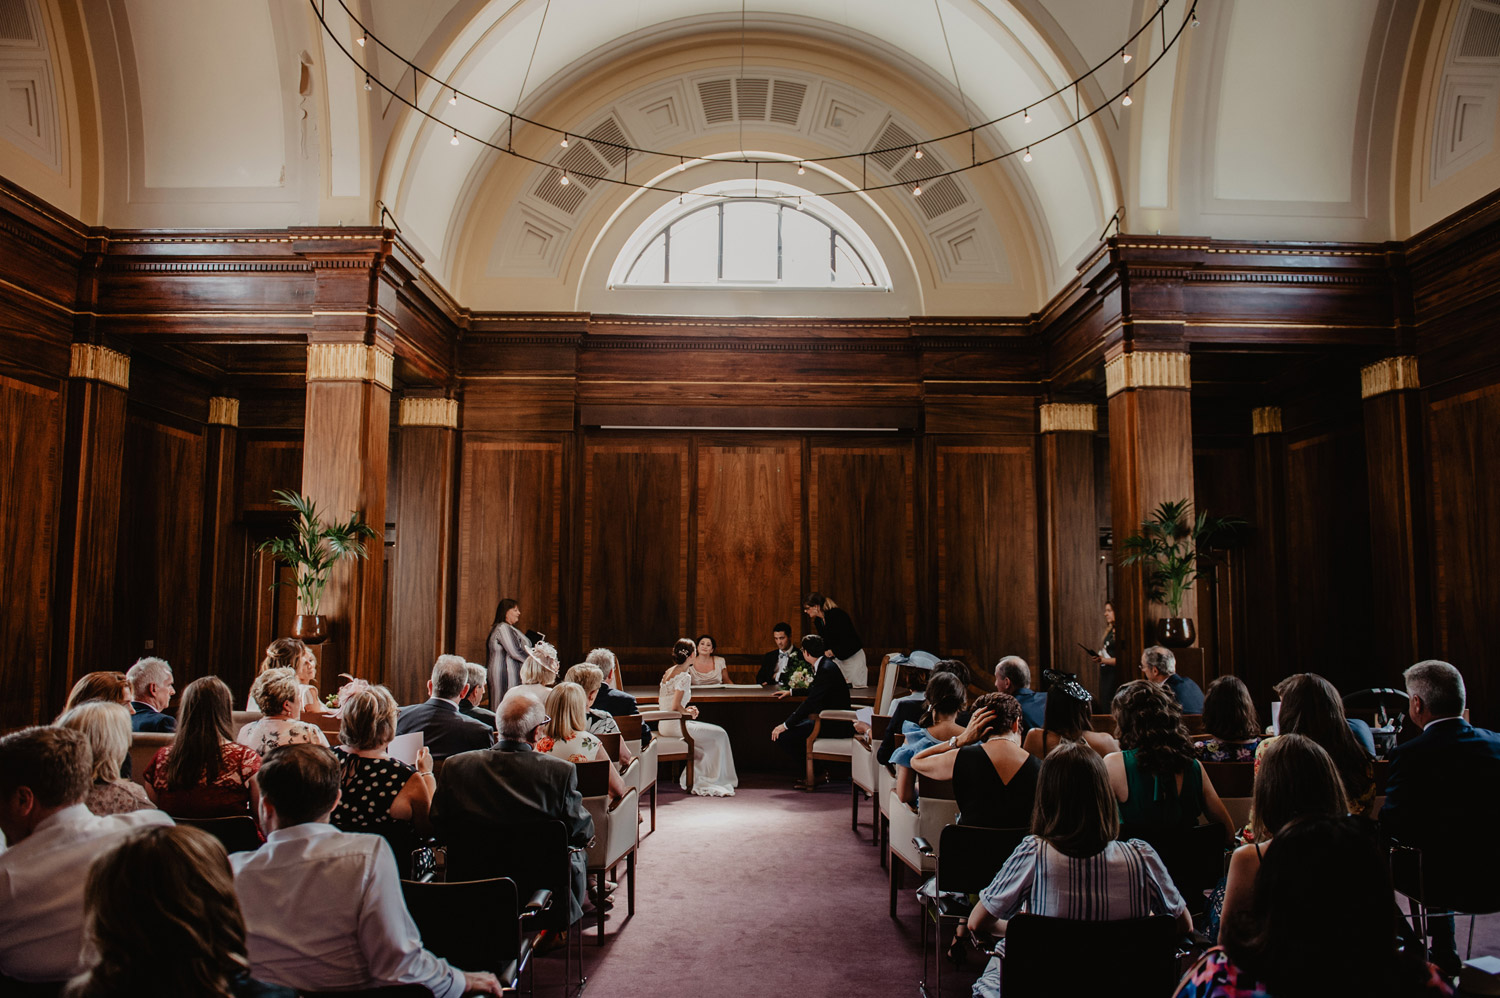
(1125, 880)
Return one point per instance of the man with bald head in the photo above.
(482, 793)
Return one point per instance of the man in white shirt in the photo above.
(323, 908)
(52, 838)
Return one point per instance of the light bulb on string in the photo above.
(1195, 17)
(1125, 56)
(1026, 116)
(368, 87)
(801, 169)
(916, 191)
(362, 39)
(454, 141)
(564, 142)
(1027, 158)
(564, 181)
(918, 153)
(453, 97)
(681, 164)
(1126, 101)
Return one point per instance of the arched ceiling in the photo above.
(1276, 119)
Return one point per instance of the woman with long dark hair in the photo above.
(1311, 706)
(704, 667)
(1230, 722)
(1068, 718)
(942, 700)
(508, 648)
(1156, 776)
(204, 773)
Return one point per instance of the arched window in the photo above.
(726, 234)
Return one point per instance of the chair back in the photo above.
(878, 725)
(239, 718)
(885, 686)
(1193, 856)
(611, 742)
(1042, 956)
(935, 789)
(1231, 779)
(474, 924)
(328, 725)
(534, 854)
(969, 856)
(1103, 723)
(1194, 724)
(630, 726)
(237, 832)
(593, 778)
(143, 745)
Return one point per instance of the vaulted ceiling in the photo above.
(1275, 119)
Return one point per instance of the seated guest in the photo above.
(1157, 778)
(323, 908)
(160, 908)
(380, 795)
(150, 691)
(1311, 706)
(778, 664)
(1233, 730)
(510, 784)
(51, 840)
(1072, 865)
(599, 722)
(107, 728)
(909, 708)
(829, 691)
(1068, 718)
(468, 704)
(1296, 780)
(942, 701)
(567, 736)
(539, 671)
(1159, 666)
(203, 773)
(704, 667)
(445, 730)
(1013, 676)
(994, 779)
(290, 653)
(1289, 944)
(1435, 797)
(275, 693)
(111, 687)
(614, 702)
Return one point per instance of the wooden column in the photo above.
(346, 449)
(222, 576)
(422, 628)
(1150, 462)
(89, 525)
(1267, 638)
(1075, 584)
(1398, 516)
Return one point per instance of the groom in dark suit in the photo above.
(1439, 799)
(829, 691)
(778, 664)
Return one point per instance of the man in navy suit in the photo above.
(1439, 796)
(829, 691)
(151, 690)
(1013, 676)
(1159, 665)
(445, 730)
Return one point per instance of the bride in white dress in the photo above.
(713, 762)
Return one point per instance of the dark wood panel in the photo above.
(749, 562)
(1222, 486)
(1466, 531)
(159, 601)
(1075, 575)
(31, 419)
(988, 604)
(635, 549)
(1394, 449)
(421, 598)
(267, 464)
(509, 528)
(863, 540)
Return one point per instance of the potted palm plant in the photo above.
(1170, 545)
(312, 550)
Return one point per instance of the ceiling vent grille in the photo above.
(16, 27)
(750, 98)
(1481, 37)
(892, 147)
(552, 190)
(609, 131)
(786, 102)
(895, 153)
(718, 102)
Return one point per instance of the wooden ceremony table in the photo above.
(748, 713)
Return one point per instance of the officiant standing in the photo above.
(840, 637)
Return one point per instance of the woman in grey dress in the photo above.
(508, 648)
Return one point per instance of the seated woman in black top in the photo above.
(994, 779)
(381, 795)
(1067, 719)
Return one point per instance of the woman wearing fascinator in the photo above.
(538, 671)
(1067, 719)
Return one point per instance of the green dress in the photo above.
(1155, 802)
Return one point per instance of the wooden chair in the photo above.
(328, 725)
(937, 809)
(631, 734)
(821, 748)
(478, 924)
(1103, 723)
(616, 830)
(1042, 956)
(611, 742)
(1231, 779)
(1194, 724)
(238, 832)
(885, 783)
(144, 745)
(671, 747)
(885, 686)
(862, 776)
(970, 858)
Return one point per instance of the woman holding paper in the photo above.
(381, 795)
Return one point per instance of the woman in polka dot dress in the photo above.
(381, 795)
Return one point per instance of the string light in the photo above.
(368, 87)
(1194, 21)
(453, 98)
(1027, 158)
(1026, 116)
(916, 191)
(1126, 100)
(564, 181)
(564, 142)
(454, 141)
(681, 164)
(1125, 56)
(918, 153)
(362, 39)
(801, 170)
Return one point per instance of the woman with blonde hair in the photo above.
(291, 653)
(567, 735)
(161, 912)
(276, 694)
(381, 795)
(110, 687)
(591, 678)
(107, 727)
(539, 671)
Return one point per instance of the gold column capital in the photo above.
(350, 362)
(100, 363)
(1147, 369)
(223, 411)
(1393, 374)
(1069, 417)
(1266, 419)
(437, 412)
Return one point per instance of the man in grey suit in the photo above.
(511, 784)
(445, 730)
